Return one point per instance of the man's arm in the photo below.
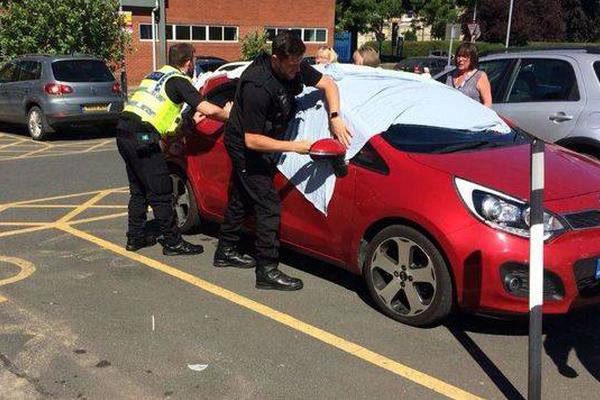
(332, 95)
(213, 111)
(266, 144)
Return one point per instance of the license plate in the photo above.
(598, 269)
(96, 108)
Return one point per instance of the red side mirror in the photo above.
(325, 149)
(332, 151)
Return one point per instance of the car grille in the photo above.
(584, 220)
(585, 277)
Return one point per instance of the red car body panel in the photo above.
(419, 190)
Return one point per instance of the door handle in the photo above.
(560, 117)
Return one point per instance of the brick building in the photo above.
(216, 28)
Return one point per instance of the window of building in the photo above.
(182, 32)
(199, 33)
(196, 33)
(146, 32)
(309, 35)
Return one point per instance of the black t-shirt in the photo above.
(253, 103)
(179, 90)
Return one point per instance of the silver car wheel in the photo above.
(35, 123)
(181, 199)
(403, 276)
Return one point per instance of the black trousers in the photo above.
(251, 190)
(149, 183)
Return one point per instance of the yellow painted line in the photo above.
(4, 146)
(344, 345)
(45, 206)
(26, 230)
(72, 214)
(24, 223)
(64, 196)
(94, 219)
(19, 157)
(46, 147)
(98, 145)
(26, 269)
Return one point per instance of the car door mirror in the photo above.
(332, 151)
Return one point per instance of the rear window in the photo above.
(81, 71)
(597, 69)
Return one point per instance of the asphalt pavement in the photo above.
(82, 318)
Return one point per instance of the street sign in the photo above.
(474, 30)
(453, 31)
(128, 19)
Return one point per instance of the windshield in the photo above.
(434, 140)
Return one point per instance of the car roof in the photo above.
(515, 52)
(53, 57)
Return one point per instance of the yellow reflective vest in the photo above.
(151, 103)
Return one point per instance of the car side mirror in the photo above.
(332, 151)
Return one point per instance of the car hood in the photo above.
(506, 169)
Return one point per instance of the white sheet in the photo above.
(371, 101)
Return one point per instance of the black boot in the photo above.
(136, 243)
(270, 278)
(182, 248)
(229, 256)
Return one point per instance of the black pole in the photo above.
(536, 270)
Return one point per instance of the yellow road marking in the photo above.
(98, 145)
(94, 219)
(51, 155)
(4, 146)
(97, 206)
(346, 346)
(64, 196)
(84, 206)
(26, 269)
(46, 147)
(23, 223)
(26, 230)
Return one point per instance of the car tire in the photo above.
(184, 202)
(37, 124)
(407, 277)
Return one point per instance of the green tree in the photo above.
(253, 44)
(63, 27)
(438, 13)
(364, 16)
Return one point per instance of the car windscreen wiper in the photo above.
(474, 144)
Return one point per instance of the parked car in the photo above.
(417, 65)
(425, 228)
(50, 92)
(232, 65)
(208, 64)
(553, 94)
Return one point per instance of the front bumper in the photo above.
(481, 274)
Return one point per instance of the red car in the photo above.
(431, 218)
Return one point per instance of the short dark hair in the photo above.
(288, 44)
(181, 53)
(468, 50)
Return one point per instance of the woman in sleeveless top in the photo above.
(467, 78)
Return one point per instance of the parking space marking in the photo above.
(18, 148)
(25, 270)
(66, 224)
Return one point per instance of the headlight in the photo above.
(504, 212)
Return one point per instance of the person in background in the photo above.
(467, 78)
(326, 55)
(366, 55)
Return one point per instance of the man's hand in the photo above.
(302, 146)
(338, 129)
(228, 107)
(198, 117)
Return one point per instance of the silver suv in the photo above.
(551, 93)
(49, 92)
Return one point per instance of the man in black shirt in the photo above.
(152, 112)
(263, 107)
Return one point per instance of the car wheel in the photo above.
(184, 202)
(37, 125)
(407, 276)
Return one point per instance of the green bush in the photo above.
(253, 44)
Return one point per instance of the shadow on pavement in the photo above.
(64, 134)
(577, 331)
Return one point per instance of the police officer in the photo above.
(263, 107)
(154, 111)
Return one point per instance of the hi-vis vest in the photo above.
(151, 103)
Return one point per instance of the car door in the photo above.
(7, 76)
(545, 98)
(28, 73)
